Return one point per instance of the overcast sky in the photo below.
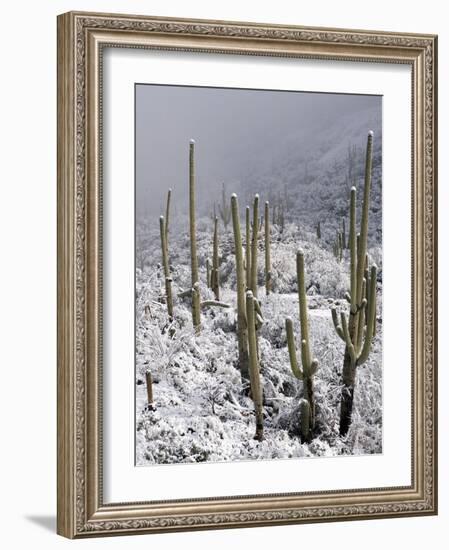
(235, 132)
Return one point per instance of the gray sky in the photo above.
(237, 132)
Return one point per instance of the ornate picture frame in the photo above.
(82, 39)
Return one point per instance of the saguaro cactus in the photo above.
(223, 208)
(248, 247)
(343, 234)
(242, 330)
(208, 273)
(215, 273)
(196, 310)
(167, 277)
(196, 307)
(267, 249)
(309, 365)
(167, 214)
(256, 388)
(318, 230)
(193, 251)
(149, 381)
(255, 236)
(362, 298)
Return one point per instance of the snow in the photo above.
(202, 409)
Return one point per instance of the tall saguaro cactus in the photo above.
(166, 267)
(343, 234)
(256, 388)
(215, 273)
(358, 331)
(242, 329)
(167, 214)
(196, 310)
(248, 246)
(255, 236)
(309, 365)
(193, 251)
(267, 248)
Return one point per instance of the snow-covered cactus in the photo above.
(358, 330)
(196, 299)
(166, 267)
(224, 208)
(208, 270)
(196, 307)
(167, 214)
(254, 374)
(215, 273)
(267, 248)
(309, 365)
(340, 246)
(254, 250)
(164, 250)
(149, 383)
(281, 217)
(169, 293)
(248, 246)
(193, 252)
(242, 332)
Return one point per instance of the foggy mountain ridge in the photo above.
(305, 154)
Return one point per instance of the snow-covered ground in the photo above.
(202, 409)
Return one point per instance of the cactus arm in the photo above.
(336, 323)
(193, 251)
(214, 303)
(292, 349)
(254, 245)
(371, 317)
(258, 308)
(304, 357)
(185, 293)
(347, 337)
(375, 316)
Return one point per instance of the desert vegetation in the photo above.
(258, 330)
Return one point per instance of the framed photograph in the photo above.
(247, 274)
